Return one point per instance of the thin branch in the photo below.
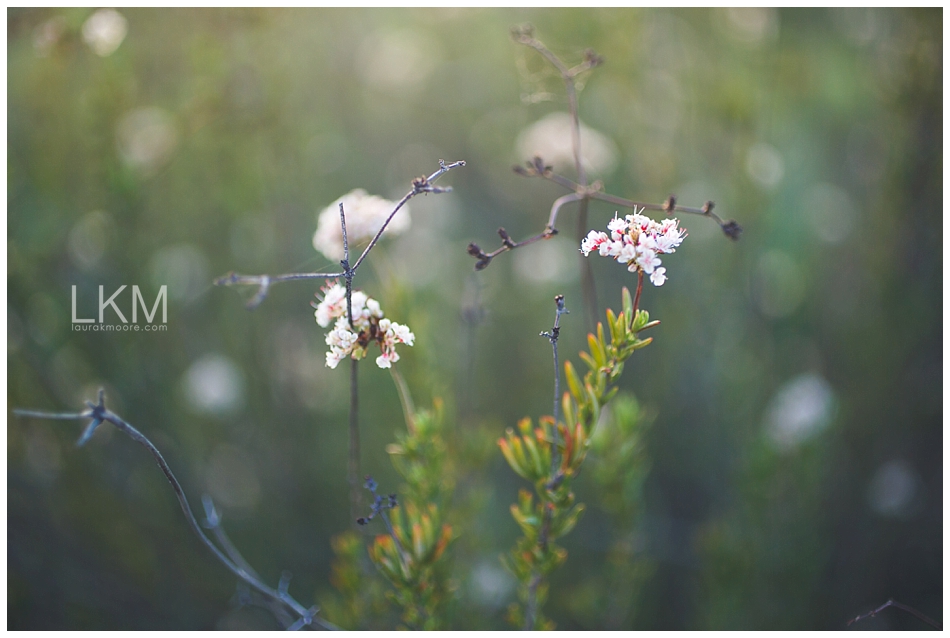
(347, 271)
(553, 337)
(531, 605)
(526, 37)
(907, 608)
(212, 522)
(588, 283)
(353, 466)
(98, 413)
(420, 185)
(380, 505)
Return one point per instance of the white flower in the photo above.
(369, 324)
(627, 252)
(365, 215)
(104, 31)
(342, 341)
(332, 306)
(593, 240)
(391, 334)
(647, 259)
(550, 138)
(637, 242)
(402, 334)
(616, 226)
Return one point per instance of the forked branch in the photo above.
(420, 185)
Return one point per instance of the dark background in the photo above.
(796, 379)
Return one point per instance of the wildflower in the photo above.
(637, 241)
(365, 215)
(369, 325)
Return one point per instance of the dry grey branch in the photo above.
(907, 608)
(98, 414)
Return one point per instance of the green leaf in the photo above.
(627, 302)
(566, 522)
(573, 381)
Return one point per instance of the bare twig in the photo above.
(893, 603)
(420, 185)
(588, 283)
(212, 522)
(98, 414)
(553, 337)
(380, 505)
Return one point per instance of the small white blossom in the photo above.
(342, 341)
(550, 138)
(593, 241)
(637, 242)
(390, 335)
(365, 215)
(369, 325)
(332, 306)
(647, 259)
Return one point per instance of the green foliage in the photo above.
(551, 461)
(622, 465)
(410, 557)
(360, 601)
(278, 112)
(618, 471)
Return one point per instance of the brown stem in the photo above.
(636, 299)
(588, 283)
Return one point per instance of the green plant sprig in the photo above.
(529, 453)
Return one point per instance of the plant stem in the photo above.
(353, 468)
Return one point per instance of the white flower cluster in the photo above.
(637, 241)
(369, 325)
(365, 215)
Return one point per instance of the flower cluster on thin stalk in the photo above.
(637, 242)
(352, 338)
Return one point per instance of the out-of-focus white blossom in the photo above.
(369, 325)
(365, 215)
(550, 138)
(637, 241)
(104, 31)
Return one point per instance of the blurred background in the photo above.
(794, 387)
